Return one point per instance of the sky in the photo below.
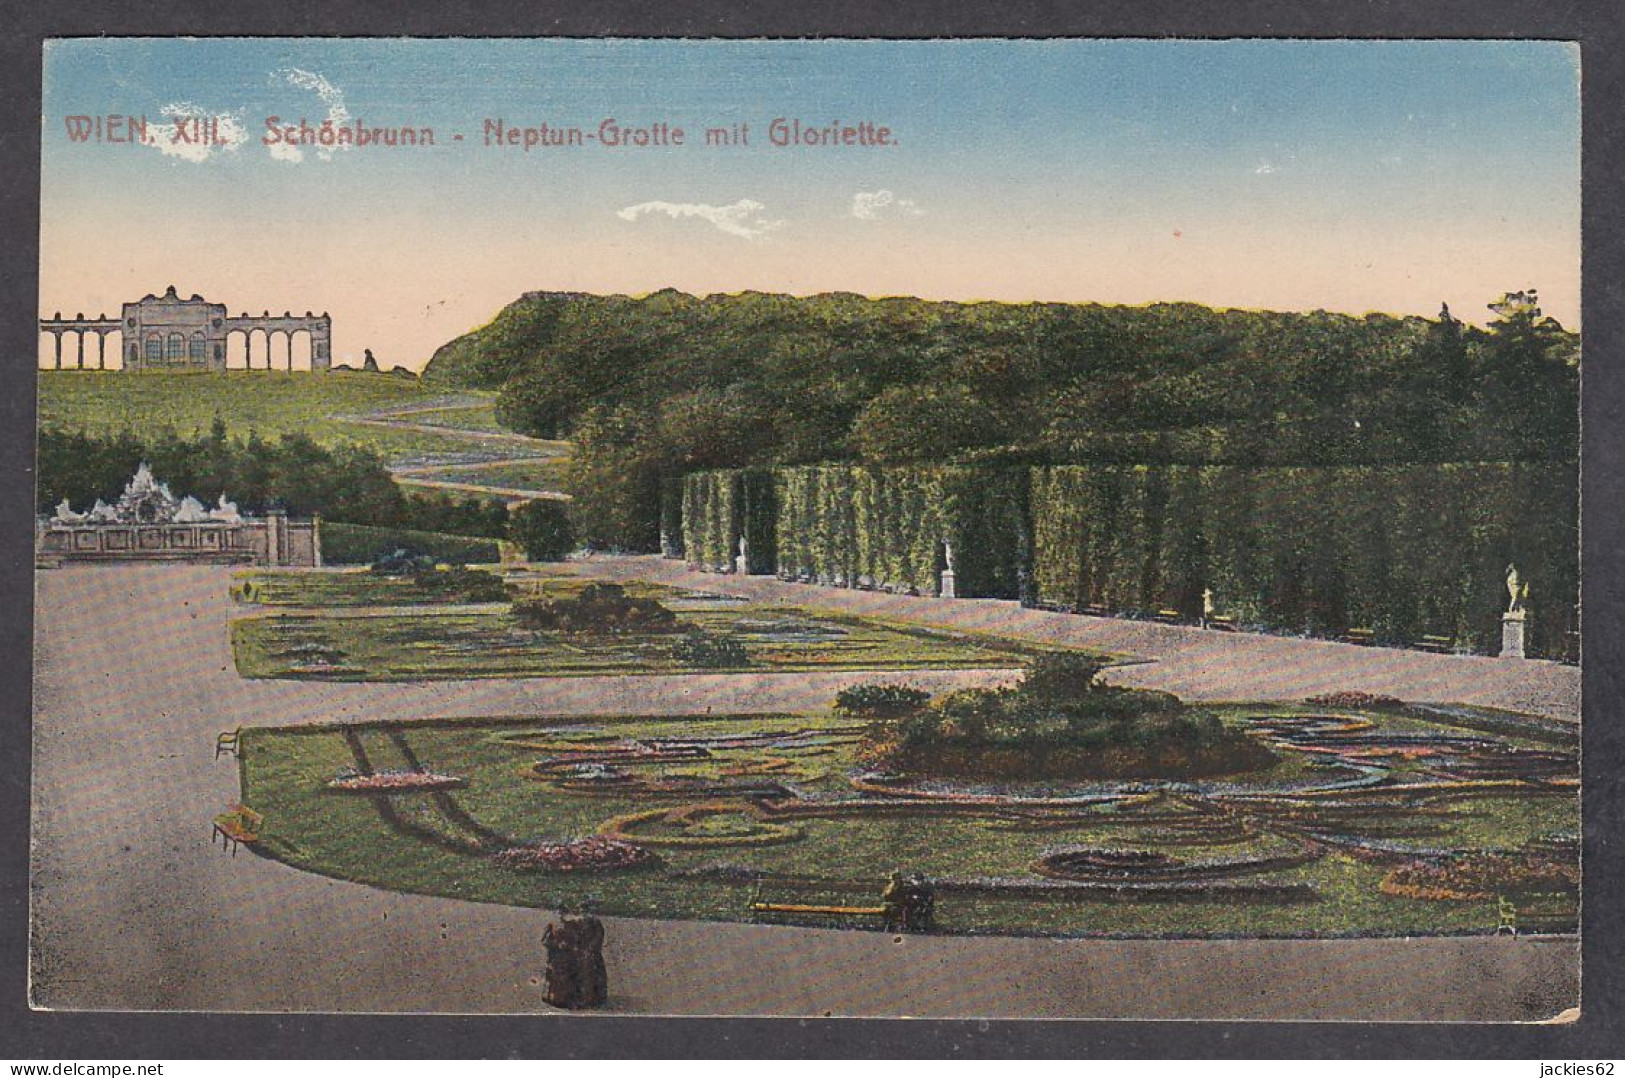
(1347, 176)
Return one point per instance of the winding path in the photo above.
(500, 448)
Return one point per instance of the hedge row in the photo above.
(718, 508)
(1405, 551)
(883, 528)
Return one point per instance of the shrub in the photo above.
(468, 585)
(880, 701)
(1354, 698)
(543, 529)
(709, 651)
(1060, 722)
(1059, 675)
(403, 562)
(599, 608)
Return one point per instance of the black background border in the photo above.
(1597, 24)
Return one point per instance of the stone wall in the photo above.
(270, 540)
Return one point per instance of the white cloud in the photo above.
(872, 205)
(331, 96)
(1264, 169)
(742, 219)
(184, 136)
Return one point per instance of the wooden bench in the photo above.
(1222, 622)
(228, 743)
(796, 909)
(1440, 644)
(898, 910)
(235, 826)
(1360, 636)
(1168, 617)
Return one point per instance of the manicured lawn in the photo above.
(361, 587)
(780, 802)
(362, 544)
(268, 402)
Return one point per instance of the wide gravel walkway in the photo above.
(133, 908)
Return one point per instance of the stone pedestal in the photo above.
(946, 591)
(1512, 635)
(742, 565)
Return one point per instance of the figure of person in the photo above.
(920, 905)
(576, 977)
(891, 900)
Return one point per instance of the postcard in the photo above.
(997, 528)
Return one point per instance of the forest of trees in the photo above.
(661, 386)
(347, 484)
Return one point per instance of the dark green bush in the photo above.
(599, 608)
(467, 585)
(1061, 721)
(542, 528)
(880, 701)
(710, 651)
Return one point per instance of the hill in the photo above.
(662, 385)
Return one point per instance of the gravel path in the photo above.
(1195, 663)
(133, 908)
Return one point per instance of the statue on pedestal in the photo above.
(1517, 590)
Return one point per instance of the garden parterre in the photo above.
(1327, 843)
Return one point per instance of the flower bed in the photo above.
(1354, 698)
(390, 782)
(1475, 877)
(713, 824)
(595, 853)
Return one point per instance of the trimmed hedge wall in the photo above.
(718, 507)
(1405, 551)
(877, 528)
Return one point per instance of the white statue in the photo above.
(145, 500)
(948, 554)
(191, 511)
(102, 513)
(1517, 590)
(66, 515)
(225, 512)
(1207, 603)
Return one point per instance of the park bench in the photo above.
(800, 909)
(899, 909)
(227, 744)
(1222, 622)
(1440, 644)
(235, 826)
(1169, 617)
(1360, 636)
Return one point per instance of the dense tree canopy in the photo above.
(346, 483)
(666, 384)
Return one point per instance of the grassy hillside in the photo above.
(268, 402)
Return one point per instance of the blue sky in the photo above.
(1344, 175)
